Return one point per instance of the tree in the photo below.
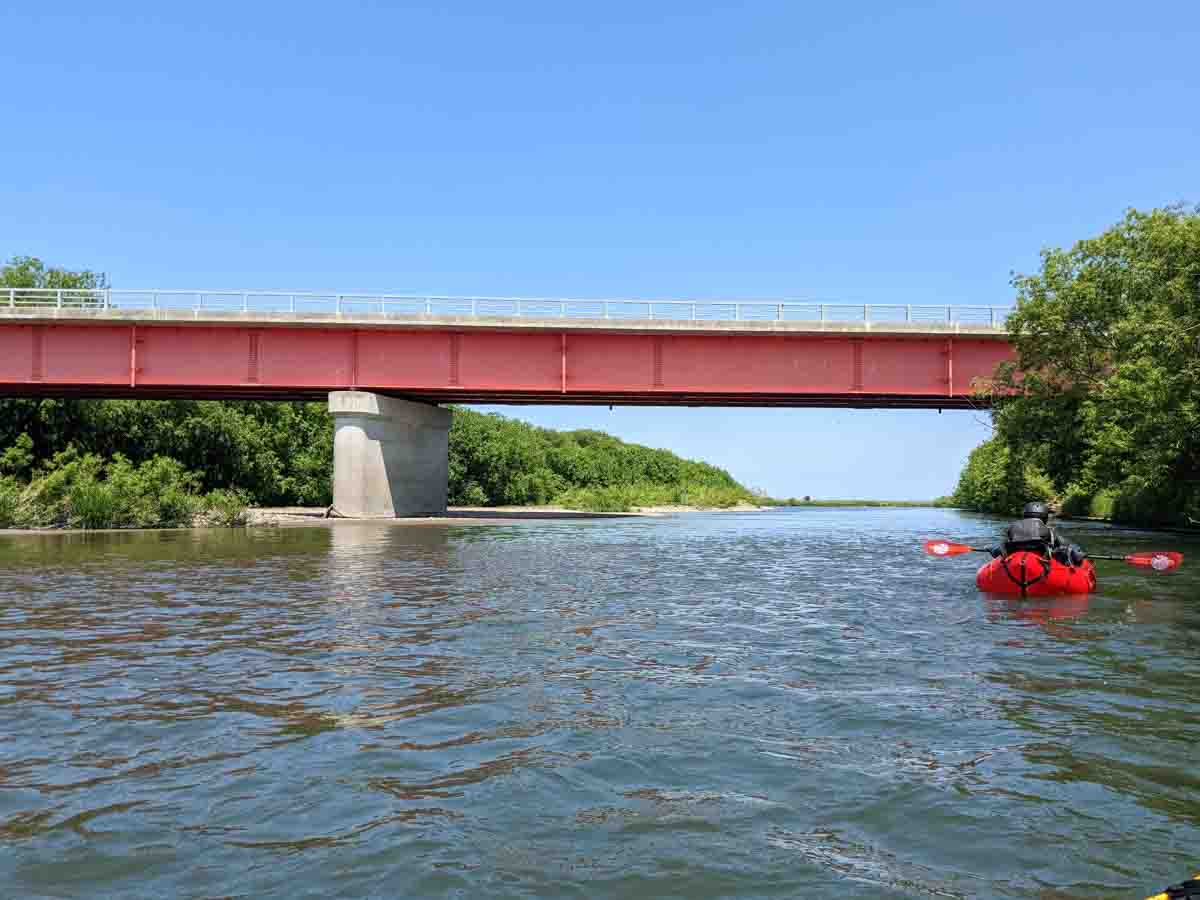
(31, 272)
(1106, 387)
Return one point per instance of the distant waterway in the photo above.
(795, 703)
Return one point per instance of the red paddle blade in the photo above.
(945, 548)
(1158, 560)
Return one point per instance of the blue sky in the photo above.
(857, 151)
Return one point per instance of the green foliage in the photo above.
(158, 493)
(82, 491)
(996, 480)
(31, 272)
(1103, 505)
(1082, 504)
(611, 498)
(226, 508)
(1106, 399)
(18, 459)
(85, 492)
(278, 453)
(625, 497)
(92, 504)
(499, 461)
(47, 500)
(10, 501)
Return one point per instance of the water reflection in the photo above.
(1035, 610)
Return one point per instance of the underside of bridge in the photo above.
(659, 398)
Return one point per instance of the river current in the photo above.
(781, 704)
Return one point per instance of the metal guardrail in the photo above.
(517, 307)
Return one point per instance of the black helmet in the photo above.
(1036, 510)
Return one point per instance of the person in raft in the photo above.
(1034, 534)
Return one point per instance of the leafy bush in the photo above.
(85, 492)
(996, 480)
(226, 508)
(159, 493)
(1076, 502)
(47, 499)
(1103, 504)
(1140, 500)
(18, 459)
(1082, 503)
(1037, 485)
(93, 504)
(470, 494)
(615, 498)
(10, 501)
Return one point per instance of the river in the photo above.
(784, 704)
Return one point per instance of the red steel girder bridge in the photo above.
(245, 345)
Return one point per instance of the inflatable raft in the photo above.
(1030, 575)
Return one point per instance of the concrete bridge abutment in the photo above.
(390, 456)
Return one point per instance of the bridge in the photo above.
(386, 361)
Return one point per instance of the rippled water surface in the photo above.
(785, 704)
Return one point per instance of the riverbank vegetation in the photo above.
(500, 461)
(141, 463)
(1101, 413)
(85, 491)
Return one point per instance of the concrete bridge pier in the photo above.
(390, 457)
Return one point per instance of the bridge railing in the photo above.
(504, 307)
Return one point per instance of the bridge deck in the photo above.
(420, 321)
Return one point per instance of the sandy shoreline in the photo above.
(309, 516)
(476, 515)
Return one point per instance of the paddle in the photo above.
(948, 548)
(1158, 560)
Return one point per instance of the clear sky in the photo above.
(872, 152)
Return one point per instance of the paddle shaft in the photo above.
(1159, 560)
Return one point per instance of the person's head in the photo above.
(1036, 510)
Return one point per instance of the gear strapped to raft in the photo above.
(1026, 583)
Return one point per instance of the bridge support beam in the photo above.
(390, 457)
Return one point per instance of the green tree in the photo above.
(31, 272)
(996, 480)
(1106, 388)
